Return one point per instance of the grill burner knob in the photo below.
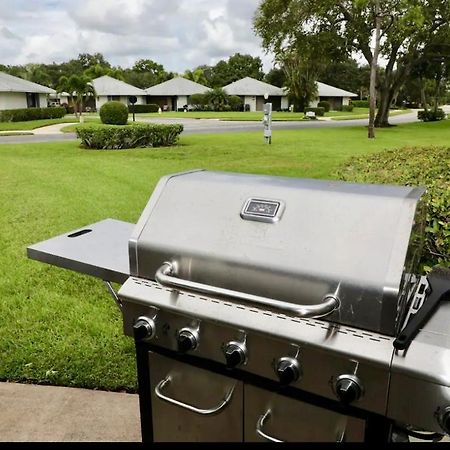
(235, 354)
(348, 388)
(445, 420)
(187, 340)
(288, 370)
(144, 328)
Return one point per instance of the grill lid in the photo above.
(297, 241)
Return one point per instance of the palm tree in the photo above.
(78, 87)
(217, 97)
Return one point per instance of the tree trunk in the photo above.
(373, 73)
(423, 95)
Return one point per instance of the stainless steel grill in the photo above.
(270, 308)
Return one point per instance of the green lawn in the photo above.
(360, 113)
(32, 124)
(233, 115)
(59, 327)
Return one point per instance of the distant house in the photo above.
(335, 96)
(109, 89)
(174, 94)
(18, 93)
(252, 93)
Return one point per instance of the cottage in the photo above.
(174, 94)
(253, 92)
(16, 93)
(110, 89)
(335, 96)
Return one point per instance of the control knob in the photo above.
(235, 354)
(187, 339)
(144, 328)
(288, 370)
(444, 419)
(349, 388)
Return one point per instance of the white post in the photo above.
(267, 121)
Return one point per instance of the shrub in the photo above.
(360, 103)
(423, 166)
(347, 108)
(26, 114)
(324, 104)
(198, 100)
(114, 113)
(150, 108)
(235, 102)
(319, 111)
(130, 136)
(431, 115)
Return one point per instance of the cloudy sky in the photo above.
(180, 34)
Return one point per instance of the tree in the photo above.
(197, 75)
(276, 77)
(236, 67)
(78, 87)
(217, 98)
(345, 75)
(407, 27)
(87, 60)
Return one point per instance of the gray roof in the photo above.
(177, 86)
(106, 85)
(250, 86)
(9, 83)
(325, 90)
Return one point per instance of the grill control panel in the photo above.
(262, 210)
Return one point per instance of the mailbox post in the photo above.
(132, 99)
(267, 122)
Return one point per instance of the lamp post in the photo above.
(267, 120)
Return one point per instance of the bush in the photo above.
(324, 104)
(431, 115)
(236, 103)
(423, 166)
(360, 103)
(198, 100)
(319, 111)
(347, 108)
(114, 113)
(150, 108)
(26, 114)
(130, 136)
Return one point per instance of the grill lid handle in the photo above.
(165, 276)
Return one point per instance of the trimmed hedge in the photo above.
(360, 103)
(431, 115)
(324, 104)
(150, 108)
(26, 114)
(412, 166)
(114, 113)
(319, 111)
(347, 108)
(129, 136)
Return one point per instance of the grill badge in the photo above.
(262, 210)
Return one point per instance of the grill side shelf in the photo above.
(99, 250)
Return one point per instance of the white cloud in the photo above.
(179, 34)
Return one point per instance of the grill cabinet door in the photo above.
(284, 419)
(201, 389)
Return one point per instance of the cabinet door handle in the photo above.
(215, 410)
(260, 425)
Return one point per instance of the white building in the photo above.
(252, 93)
(16, 93)
(335, 96)
(110, 89)
(174, 94)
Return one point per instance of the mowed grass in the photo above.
(59, 327)
(33, 124)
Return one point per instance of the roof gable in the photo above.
(325, 90)
(107, 85)
(10, 83)
(177, 86)
(251, 86)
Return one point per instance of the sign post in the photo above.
(267, 121)
(132, 99)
